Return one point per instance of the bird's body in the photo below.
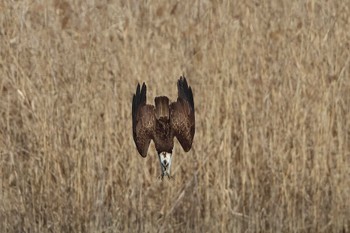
(162, 122)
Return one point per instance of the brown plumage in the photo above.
(164, 121)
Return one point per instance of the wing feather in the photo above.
(143, 120)
(182, 117)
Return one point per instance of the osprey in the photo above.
(162, 122)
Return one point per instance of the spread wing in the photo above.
(143, 120)
(182, 117)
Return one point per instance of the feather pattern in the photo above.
(143, 120)
(162, 122)
(182, 117)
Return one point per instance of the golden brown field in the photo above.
(271, 82)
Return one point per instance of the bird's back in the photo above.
(163, 137)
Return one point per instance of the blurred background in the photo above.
(271, 88)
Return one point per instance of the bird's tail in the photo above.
(162, 107)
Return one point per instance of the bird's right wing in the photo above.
(182, 118)
(143, 120)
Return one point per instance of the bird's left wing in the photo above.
(143, 120)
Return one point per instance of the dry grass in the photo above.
(272, 93)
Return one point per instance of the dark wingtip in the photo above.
(140, 93)
(143, 93)
(138, 89)
(182, 81)
(185, 91)
(135, 99)
(138, 98)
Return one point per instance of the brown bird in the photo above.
(162, 122)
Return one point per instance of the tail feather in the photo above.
(162, 107)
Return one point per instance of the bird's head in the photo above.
(165, 163)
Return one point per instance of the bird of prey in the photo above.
(162, 122)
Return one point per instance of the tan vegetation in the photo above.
(271, 85)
